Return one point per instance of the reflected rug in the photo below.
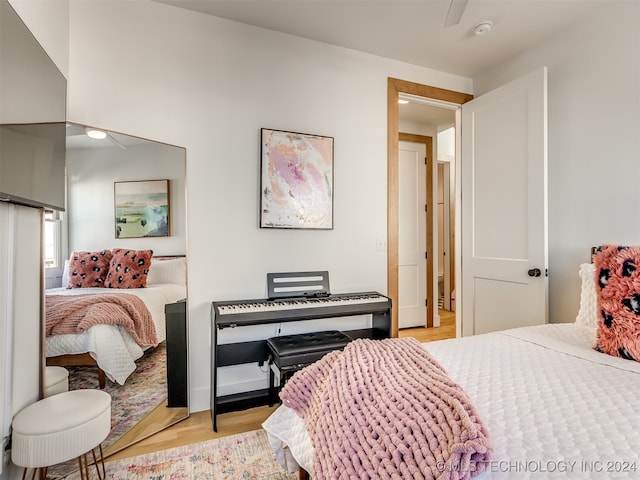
(144, 390)
(242, 456)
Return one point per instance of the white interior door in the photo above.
(412, 263)
(504, 207)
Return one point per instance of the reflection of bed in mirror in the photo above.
(111, 347)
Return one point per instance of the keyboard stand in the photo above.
(256, 351)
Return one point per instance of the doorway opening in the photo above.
(446, 214)
(436, 96)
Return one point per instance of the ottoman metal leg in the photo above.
(101, 462)
(40, 472)
(83, 462)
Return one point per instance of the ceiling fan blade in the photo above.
(456, 9)
(111, 137)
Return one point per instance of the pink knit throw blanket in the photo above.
(386, 409)
(77, 313)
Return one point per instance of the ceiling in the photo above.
(411, 31)
(421, 113)
(77, 138)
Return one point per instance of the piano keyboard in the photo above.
(298, 303)
(244, 313)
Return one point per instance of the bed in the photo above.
(110, 347)
(554, 406)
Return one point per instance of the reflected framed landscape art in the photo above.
(296, 180)
(141, 208)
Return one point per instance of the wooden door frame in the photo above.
(394, 87)
(428, 144)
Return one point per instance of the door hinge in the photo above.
(425, 160)
(426, 254)
(426, 302)
(426, 207)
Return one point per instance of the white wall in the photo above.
(209, 85)
(594, 140)
(48, 21)
(91, 174)
(20, 307)
(447, 144)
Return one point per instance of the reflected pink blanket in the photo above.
(386, 409)
(76, 313)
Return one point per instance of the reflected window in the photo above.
(52, 239)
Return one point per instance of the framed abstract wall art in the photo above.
(141, 208)
(296, 180)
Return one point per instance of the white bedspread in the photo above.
(111, 346)
(553, 406)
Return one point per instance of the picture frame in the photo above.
(296, 180)
(142, 208)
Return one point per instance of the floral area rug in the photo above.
(245, 456)
(143, 390)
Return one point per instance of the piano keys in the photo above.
(255, 312)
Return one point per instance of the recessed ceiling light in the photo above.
(482, 27)
(95, 133)
(402, 102)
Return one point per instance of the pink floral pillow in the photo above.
(129, 268)
(618, 291)
(88, 269)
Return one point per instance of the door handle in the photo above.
(534, 272)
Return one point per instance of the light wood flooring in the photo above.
(198, 427)
(447, 329)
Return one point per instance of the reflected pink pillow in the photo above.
(88, 269)
(129, 268)
(618, 291)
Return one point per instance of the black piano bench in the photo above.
(290, 353)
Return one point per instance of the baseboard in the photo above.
(199, 400)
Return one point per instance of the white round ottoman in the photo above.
(56, 380)
(61, 427)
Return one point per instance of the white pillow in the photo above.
(173, 270)
(65, 274)
(588, 311)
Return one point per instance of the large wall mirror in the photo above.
(127, 193)
(122, 192)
